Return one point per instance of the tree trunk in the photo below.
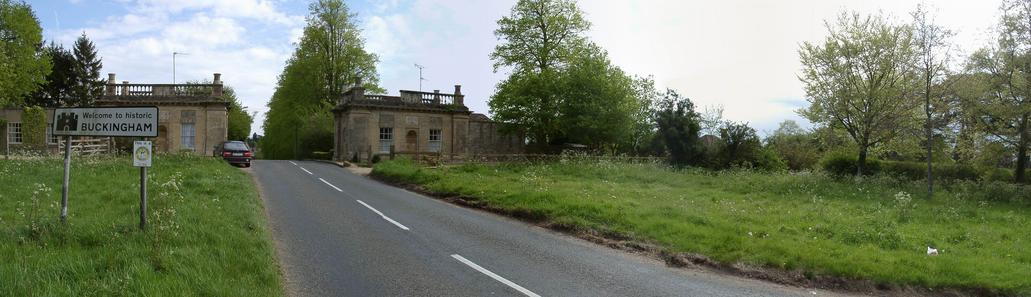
(861, 164)
(930, 143)
(1022, 151)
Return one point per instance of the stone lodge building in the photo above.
(193, 117)
(414, 123)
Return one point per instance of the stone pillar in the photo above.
(358, 91)
(109, 88)
(216, 91)
(125, 88)
(436, 96)
(459, 98)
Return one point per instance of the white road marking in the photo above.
(292, 162)
(306, 170)
(384, 216)
(494, 276)
(331, 185)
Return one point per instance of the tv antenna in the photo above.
(421, 79)
(173, 63)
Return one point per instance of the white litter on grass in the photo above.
(932, 251)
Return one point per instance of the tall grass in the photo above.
(874, 228)
(207, 234)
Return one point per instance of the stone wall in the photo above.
(486, 138)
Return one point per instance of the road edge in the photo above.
(288, 288)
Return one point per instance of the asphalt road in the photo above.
(341, 234)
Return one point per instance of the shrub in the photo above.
(844, 163)
(769, 160)
(918, 170)
(34, 129)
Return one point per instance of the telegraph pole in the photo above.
(420, 75)
(173, 64)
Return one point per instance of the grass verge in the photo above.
(805, 224)
(207, 232)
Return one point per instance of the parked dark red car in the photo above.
(236, 152)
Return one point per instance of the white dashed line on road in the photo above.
(331, 185)
(494, 276)
(292, 162)
(306, 170)
(384, 216)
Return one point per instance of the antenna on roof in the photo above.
(420, 75)
(173, 63)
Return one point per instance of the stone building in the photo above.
(193, 117)
(414, 123)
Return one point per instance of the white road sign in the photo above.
(142, 153)
(106, 121)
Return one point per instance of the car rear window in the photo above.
(236, 146)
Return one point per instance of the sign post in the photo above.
(67, 177)
(142, 153)
(107, 121)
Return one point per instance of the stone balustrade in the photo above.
(125, 90)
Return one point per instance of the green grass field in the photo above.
(874, 228)
(207, 234)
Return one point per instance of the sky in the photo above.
(742, 55)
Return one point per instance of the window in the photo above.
(435, 140)
(51, 138)
(386, 139)
(188, 134)
(13, 132)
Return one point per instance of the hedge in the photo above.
(844, 164)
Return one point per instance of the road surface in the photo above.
(341, 234)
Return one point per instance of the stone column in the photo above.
(109, 88)
(216, 91)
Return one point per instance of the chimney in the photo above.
(218, 79)
(458, 89)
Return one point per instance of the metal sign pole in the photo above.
(142, 156)
(143, 198)
(67, 177)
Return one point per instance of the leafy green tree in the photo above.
(23, 66)
(538, 40)
(678, 126)
(741, 145)
(239, 119)
(932, 58)
(34, 129)
(1004, 109)
(598, 101)
(329, 59)
(796, 146)
(58, 87)
(860, 79)
(562, 88)
(539, 35)
(644, 138)
(87, 86)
